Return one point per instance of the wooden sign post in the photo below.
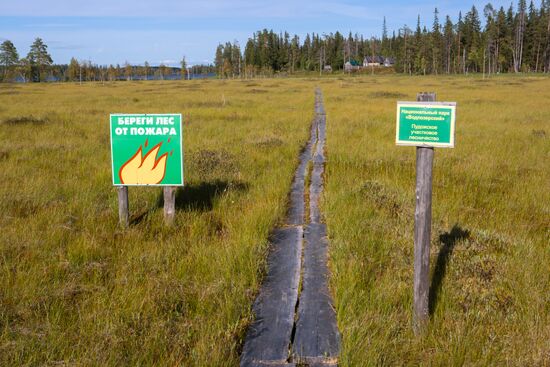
(123, 212)
(422, 228)
(147, 150)
(425, 124)
(169, 204)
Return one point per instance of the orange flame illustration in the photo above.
(144, 171)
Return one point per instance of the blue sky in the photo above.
(111, 31)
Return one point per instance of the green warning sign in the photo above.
(429, 124)
(147, 149)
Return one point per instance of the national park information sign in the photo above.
(147, 149)
(430, 124)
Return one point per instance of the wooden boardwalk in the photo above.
(294, 326)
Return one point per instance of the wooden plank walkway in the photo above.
(290, 327)
(269, 336)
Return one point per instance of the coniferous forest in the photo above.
(489, 41)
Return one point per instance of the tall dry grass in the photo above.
(490, 254)
(75, 289)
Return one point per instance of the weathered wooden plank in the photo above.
(123, 207)
(317, 339)
(296, 210)
(319, 106)
(422, 229)
(316, 187)
(268, 338)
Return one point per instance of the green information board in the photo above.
(147, 149)
(430, 124)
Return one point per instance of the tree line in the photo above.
(32, 67)
(510, 40)
(38, 66)
(86, 71)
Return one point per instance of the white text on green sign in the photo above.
(147, 149)
(429, 124)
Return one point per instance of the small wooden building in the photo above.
(351, 65)
(369, 61)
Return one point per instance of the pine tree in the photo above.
(39, 60)
(9, 58)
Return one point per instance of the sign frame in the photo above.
(145, 115)
(427, 105)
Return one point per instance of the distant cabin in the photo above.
(373, 61)
(352, 65)
(389, 61)
(369, 61)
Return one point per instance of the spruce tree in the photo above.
(436, 43)
(448, 36)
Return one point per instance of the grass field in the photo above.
(490, 233)
(75, 289)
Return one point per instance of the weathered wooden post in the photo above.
(169, 204)
(425, 124)
(123, 208)
(422, 228)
